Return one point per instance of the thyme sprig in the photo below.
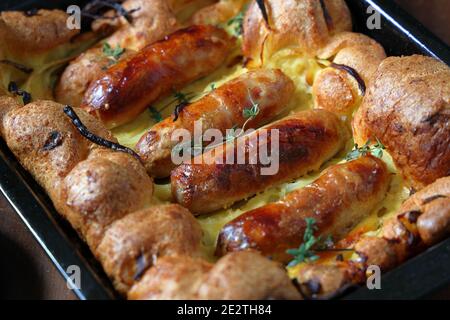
(307, 251)
(304, 253)
(232, 134)
(113, 54)
(155, 114)
(237, 22)
(376, 150)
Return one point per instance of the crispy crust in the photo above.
(299, 23)
(102, 189)
(219, 12)
(238, 276)
(336, 90)
(154, 20)
(132, 244)
(41, 32)
(407, 107)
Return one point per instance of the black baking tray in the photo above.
(417, 278)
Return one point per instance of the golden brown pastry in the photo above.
(25, 35)
(336, 90)
(219, 12)
(221, 109)
(131, 245)
(237, 276)
(102, 189)
(407, 107)
(304, 24)
(89, 185)
(131, 85)
(306, 140)
(342, 197)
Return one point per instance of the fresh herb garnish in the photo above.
(113, 54)
(155, 114)
(237, 22)
(376, 150)
(213, 87)
(14, 89)
(304, 253)
(253, 111)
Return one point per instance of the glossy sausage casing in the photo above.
(338, 200)
(134, 83)
(221, 109)
(306, 140)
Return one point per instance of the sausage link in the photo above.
(306, 140)
(421, 221)
(131, 85)
(223, 108)
(338, 200)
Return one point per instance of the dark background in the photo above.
(25, 270)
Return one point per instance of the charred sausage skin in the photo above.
(223, 108)
(131, 85)
(306, 140)
(338, 200)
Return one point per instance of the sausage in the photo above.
(421, 221)
(152, 21)
(338, 200)
(132, 84)
(221, 110)
(237, 276)
(306, 140)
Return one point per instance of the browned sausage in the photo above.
(306, 140)
(134, 83)
(221, 109)
(338, 200)
(421, 221)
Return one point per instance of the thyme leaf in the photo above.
(155, 114)
(113, 54)
(376, 150)
(237, 22)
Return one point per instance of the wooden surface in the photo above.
(27, 273)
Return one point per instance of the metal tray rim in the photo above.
(35, 211)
